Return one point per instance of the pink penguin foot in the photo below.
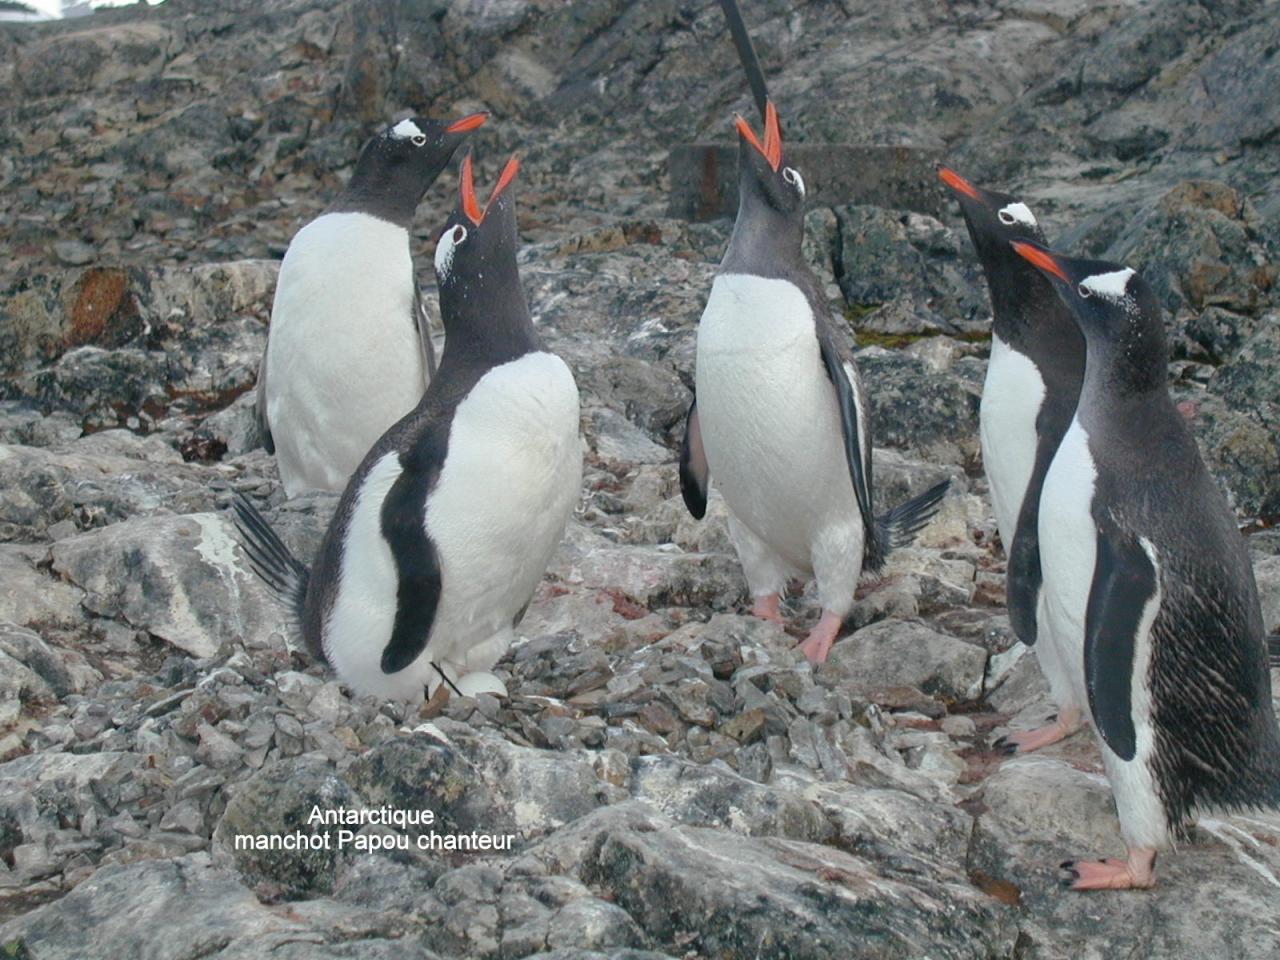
(766, 608)
(1024, 741)
(1136, 873)
(817, 645)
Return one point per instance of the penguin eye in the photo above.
(1006, 217)
(420, 140)
(1085, 292)
(792, 176)
(459, 234)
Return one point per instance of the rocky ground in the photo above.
(678, 781)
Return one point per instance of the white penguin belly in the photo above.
(1068, 555)
(343, 359)
(498, 510)
(364, 606)
(771, 425)
(496, 513)
(1011, 398)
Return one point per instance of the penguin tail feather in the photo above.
(275, 565)
(899, 526)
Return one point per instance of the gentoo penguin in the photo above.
(1028, 398)
(448, 523)
(349, 348)
(779, 417)
(1149, 592)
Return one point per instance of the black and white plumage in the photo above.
(447, 526)
(1149, 591)
(1028, 398)
(349, 348)
(779, 420)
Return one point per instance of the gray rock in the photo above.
(279, 801)
(180, 578)
(783, 898)
(895, 653)
(29, 595)
(1199, 246)
(166, 908)
(901, 274)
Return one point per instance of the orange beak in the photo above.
(467, 188)
(467, 124)
(957, 183)
(1038, 258)
(771, 150)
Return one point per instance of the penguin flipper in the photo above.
(1124, 581)
(1025, 577)
(424, 334)
(260, 409)
(857, 449)
(417, 562)
(694, 475)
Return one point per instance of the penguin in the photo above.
(447, 525)
(779, 415)
(349, 347)
(1149, 591)
(1028, 398)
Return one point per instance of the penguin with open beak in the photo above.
(780, 419)
(447, 526)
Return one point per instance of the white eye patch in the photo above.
(1110, 286)
(792, 176)
(445, 249)
(1017, 213)
(406, 128)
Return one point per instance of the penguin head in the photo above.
(474, 237)
(994, 219)
(398, 165)
(1116, 310)
(763, 175)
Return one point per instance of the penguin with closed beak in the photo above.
(349, 347)
(779, 418)
(1028, 398)
(1149, 594)
(447, 526)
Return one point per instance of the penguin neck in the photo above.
(392, 198)
(487, 319)
(764, 241)
(1125, 391)
(1029, 316)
